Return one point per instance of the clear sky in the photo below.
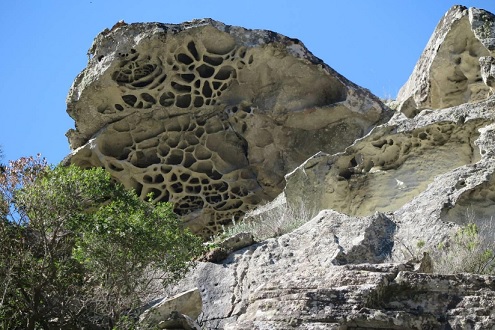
(374, 43)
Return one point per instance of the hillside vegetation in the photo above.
(77, 250)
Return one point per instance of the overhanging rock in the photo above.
(210, 116)
(434, 158)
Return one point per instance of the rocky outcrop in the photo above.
(455, 67)
(178, 312)
(218, 119)
(383, 202)
(210, 116)
(439, 156)
(333, 273)
(218, 252)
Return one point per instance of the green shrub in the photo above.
(78, 250)
(471, 250)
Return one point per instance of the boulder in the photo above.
(175, 321)
(209, 116)
(219, 251)
(452, 69)
(177, 312)
(237, 242)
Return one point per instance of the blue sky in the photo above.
(44, 44)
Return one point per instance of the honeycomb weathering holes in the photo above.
(186, 160)
(187, 110)
(188, 77)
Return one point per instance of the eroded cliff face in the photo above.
(411, 180)
(334, 273)
(209, 116)
(399, 161)
(212, 117)
(456, 65)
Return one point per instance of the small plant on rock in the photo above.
(271, 220)
(471, 250)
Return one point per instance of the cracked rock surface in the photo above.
(332, 273)
(410, 180)
(210, 116)
(218, 119)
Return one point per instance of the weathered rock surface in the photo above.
(455, 65)
(178, 312)
(332, 274)
(213, 117)
(408, 181)
(210, 116)
(399, 161)
(221, 250)
(176, 321)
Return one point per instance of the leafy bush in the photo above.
(78, 250)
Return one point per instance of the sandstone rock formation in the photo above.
(210, 116)
(444, 154)
(220, 251)
(356, 265)
(455, 66)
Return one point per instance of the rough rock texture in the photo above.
(220, 251)
(177, 321)
(173, 312)
(436, 165)
(330, 274)
(409, 181)
(455, 65)
(210, 116)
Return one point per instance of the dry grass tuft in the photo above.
(271, 220)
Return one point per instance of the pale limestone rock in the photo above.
(428, 172)
(178, 321)
(487, 67)
(448, 72)
(210, 116)
(333, 272)
(408, 181)
(218, 252)
(237, 242)
(302, 261)
(169, 313)
(315, 278)
(395, 163)
(483, 26)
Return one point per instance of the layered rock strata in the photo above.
(210, 116)
(333, 273)
(444, 153)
